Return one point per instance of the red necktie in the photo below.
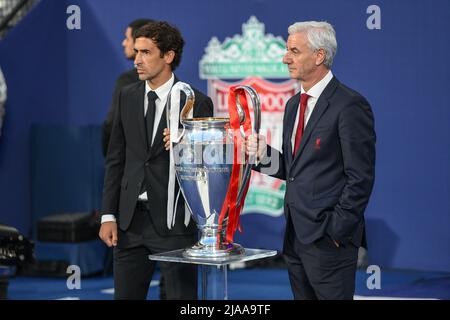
(301, 121)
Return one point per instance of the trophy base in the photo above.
(200, 251)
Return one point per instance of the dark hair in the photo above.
(166, 37)
(138, 23)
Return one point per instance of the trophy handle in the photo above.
(184, 114)
(256, 125)
(173, 117)
(189, 104)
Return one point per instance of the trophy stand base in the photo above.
(214, 272)
(201, 251)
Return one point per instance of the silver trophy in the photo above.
(205, 156)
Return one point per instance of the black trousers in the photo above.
(133, 270)
(320, 270)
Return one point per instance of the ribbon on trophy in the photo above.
(236, 95)
(173, 105)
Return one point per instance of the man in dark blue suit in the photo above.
(328, 162)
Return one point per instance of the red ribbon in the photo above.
(234, 209)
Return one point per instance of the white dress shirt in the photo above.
(163, 93)
(314, 94)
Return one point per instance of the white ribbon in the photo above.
(173, 120)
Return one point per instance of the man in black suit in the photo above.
(137, 172)
(328, 162)
(126, 78)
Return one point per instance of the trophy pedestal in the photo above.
(201, 251)
(214, 277)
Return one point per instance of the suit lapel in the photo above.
(291, 111)
(319, 109)
(138, 108)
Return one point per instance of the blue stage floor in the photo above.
(249, 284)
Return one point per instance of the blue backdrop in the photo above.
(65, 77)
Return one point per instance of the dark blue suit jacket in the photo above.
(330, 179)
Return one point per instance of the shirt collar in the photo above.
(318, 88)
(161, 91)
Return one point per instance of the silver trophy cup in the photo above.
(204, 157)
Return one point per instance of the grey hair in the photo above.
(321, 35)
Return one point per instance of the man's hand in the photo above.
(166, 139)
(256, 145)
(108, 233)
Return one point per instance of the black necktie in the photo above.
(150, 116)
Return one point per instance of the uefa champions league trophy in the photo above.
(212, 168)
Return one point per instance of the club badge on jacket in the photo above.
(317, 144)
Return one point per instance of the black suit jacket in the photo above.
(330, 179)
(128, 162)
(126, 78)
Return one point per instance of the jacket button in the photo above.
(146, 164)
(291, 179)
